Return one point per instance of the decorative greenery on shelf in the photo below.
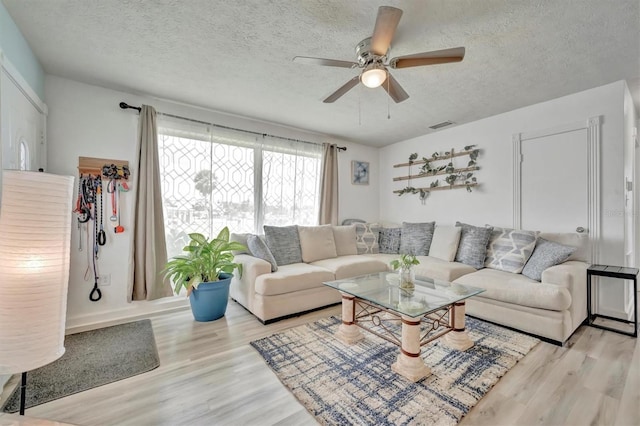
(457, 177)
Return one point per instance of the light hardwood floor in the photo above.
(209, 375)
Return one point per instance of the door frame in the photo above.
(592, 125)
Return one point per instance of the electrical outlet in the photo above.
(104, 279)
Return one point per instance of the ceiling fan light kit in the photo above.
(374, 75)
(372, 54)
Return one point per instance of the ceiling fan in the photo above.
(372, 53)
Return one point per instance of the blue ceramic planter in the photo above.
(209, 300)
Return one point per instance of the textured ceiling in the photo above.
(235, 56)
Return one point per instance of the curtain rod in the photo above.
(124, 105)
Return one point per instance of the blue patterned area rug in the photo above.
(342, 384)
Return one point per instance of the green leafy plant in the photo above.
(406, 261)
(203, 261)
(413, 157)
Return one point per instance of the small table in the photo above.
(613, 272)
(431, 310)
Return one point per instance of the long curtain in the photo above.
(149, 245)
(328, 213)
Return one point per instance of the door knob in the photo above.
(580, 230)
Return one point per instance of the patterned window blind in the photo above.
(214, 177)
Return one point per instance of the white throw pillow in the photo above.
(445, 242)
(345, 239)
(317, 242)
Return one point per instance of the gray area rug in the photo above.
(354, 384)
(92, 358)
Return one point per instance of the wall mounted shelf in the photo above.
(441, 188)
(444, 157)
(442, 172)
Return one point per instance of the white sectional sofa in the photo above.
(551, 308)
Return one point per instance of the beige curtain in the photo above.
(149, 245)
(329, 186)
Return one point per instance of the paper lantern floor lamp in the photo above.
(35, 239)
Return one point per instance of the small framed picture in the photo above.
(359, 172)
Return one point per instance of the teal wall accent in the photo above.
(17, 50)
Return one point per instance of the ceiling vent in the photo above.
(441, 125)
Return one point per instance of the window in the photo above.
(214, 177)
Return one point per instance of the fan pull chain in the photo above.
(388, 99)
(360, 107)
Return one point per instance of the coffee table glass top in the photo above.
(382, 289)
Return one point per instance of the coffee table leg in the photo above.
(458, 338)
(409, 363)
(349, 332)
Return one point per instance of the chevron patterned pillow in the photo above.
(509, 249)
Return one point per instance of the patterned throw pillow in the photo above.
(416, 238)
(546, 254)
(284, 243)
(472, 248)
(242, 239)
(260, 250)
(389, 240)
(509, 249)
(367, 237)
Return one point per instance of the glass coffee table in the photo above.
(432, 309)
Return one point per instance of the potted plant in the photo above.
(205, 270)
(405, 264)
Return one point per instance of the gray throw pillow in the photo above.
(472, 248)
(546, 254)
(416, 238)
(260, 250)
(389, 240)
(284, 243)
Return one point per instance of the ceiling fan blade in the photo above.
(394, 89)
(428, 58)
(383, 32)
(342, 90)
(325, 62)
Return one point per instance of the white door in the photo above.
(22, 129)
(554, 182)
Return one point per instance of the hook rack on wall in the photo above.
(94, 166)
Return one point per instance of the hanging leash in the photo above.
(102, 236)
(96, 294)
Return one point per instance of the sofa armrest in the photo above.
(568, 274)
(243, 288)
(572, 275)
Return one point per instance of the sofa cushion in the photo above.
(367, 237)
(345, 238)
(389, 240)
(472, 248)
(291, 278)
(259, 249)
(546, 254)
(518, 290)
(509, 249)
(430, 267)
(316, 242)
(445, 242)
(416, 238)
(351, 266)
(572, 239)
(284, 243)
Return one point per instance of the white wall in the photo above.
(85, 120)
(492, 202)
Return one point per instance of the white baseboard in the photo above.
(626, 314)
(136, 310)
